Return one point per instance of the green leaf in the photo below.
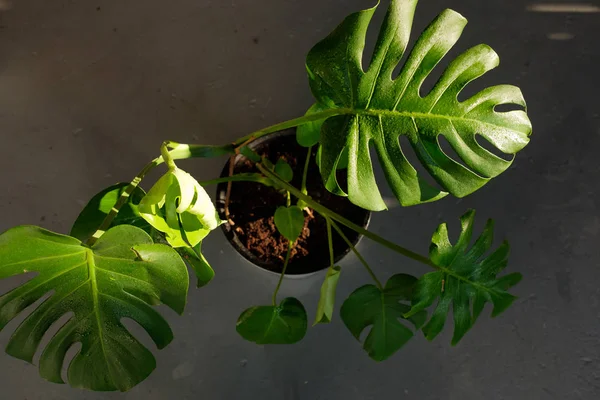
(327, 299)
(121, 276)
(341, 163)
(466, 279)
(289, 222)
(202, 269)
(283, 324)
(308, 134)
(99, 206)
(283, 169)
(383, 310)
(178, 197)
(249, 153)
(375, 109)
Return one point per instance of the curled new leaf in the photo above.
(466, 279)
(177, 202)
(375, 110)
(121, 276)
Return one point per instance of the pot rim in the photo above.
(237, 244)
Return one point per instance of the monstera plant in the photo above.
(128, 250)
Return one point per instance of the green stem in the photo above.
(290, 124)
(166, 156)
(285, 264)
(358, 255)
(336, 217)
(122, 200)
(244, 177)
(305, 172)
(330, 242)
(183, 151)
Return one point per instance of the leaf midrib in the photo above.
(419, 115)
(95, 292)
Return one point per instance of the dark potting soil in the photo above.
(252, 206)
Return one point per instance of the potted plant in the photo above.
(288, 210)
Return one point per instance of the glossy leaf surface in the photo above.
(122, 276)
(375, 108)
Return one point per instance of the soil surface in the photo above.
(252, 206)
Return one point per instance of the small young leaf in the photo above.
(383, 310)
(99, 206)
(289, 222)
(284, 170)
(121, 276)
(202, 269)
(283, 324)
(250, 154)
(327, 299)
(465, 277)
(309, 134)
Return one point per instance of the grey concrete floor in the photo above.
(89, 89)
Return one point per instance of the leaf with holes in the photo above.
(466, 278)
(373, 108)
(282, 324)
(122, 276)
(100, 205)
(383, 310)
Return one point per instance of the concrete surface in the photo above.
(89, 89)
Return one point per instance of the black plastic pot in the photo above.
(245, 194)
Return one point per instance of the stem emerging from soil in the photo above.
(338, 218)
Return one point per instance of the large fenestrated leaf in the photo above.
(466, 279)
(122, 276)
(100, 205)
(375, 109)
(383, 311)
